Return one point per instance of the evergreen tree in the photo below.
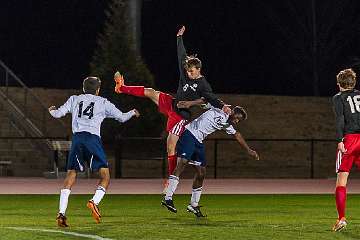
(116, 51)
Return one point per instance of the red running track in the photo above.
(154, 186)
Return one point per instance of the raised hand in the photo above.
(181, 31)
(52, 108)
(253, 154)
(341, 147)
(226, 109)
(137, 114)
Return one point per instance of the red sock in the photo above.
(133, 90)
(171, 164)
(340, 195)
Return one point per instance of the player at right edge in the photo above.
(347, 115)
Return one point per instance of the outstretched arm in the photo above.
(189, 104)
(181, 51)
(207, 93)
(243, 143)
(63, 110)
(112, 112)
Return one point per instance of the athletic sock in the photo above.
(173, 182)
(195, 196)
(340, 195)
(133, 90)
(64, 198)
(99, 194)
(171, 164)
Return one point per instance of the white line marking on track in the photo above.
(58, 231)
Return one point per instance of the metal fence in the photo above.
(298, 158)
(24, 102)
(21, 156)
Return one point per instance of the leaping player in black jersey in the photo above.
(192, 89)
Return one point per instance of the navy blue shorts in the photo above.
(86, 147)
(189, 148)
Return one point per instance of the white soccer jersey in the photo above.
(88, 111)
(210, 121)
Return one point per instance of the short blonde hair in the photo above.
(346, 78)
(192, 61)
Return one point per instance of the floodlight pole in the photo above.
(314, 50)
(135, 19)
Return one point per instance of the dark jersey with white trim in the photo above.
(347, 113)
(192, 89)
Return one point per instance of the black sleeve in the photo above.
(339, 118)
(207, 93)
(181, 54)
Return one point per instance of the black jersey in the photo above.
(192, 89)
(347, 113)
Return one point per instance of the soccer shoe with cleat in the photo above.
(61, 220)
(119, 80)
(195, 210)
(169, 204)
(340, 225)
(95, 212)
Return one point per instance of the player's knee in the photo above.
(171, 149)
(201, 175)
(148, 92)
(171, 146)
(105, 177)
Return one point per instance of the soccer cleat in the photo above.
(340, 225)
(119, 80)
(94, 210)
(61, 220)
(195, 210)
(169, 204)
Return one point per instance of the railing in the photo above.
(306, 160)
(136, 143)
(20, 156)
(310, 141)
(26, 103)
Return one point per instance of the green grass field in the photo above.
(142, 217)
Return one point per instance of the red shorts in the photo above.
(345, 161)
(175, 123)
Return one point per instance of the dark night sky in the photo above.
(247, 46)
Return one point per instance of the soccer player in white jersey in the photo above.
(88, 111)
(190, 150)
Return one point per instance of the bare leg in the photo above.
(172, 139)
(342, 179)
(152, 94)
(104, 177)
(70, 179)
(181, 164)
(199, 177)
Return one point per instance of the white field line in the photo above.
(58, 231)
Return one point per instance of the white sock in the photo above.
(99, 194)
(195, 196)
(173, 182)
(64, 197)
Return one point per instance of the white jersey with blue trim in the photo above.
(210, 121)
(88, 112)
